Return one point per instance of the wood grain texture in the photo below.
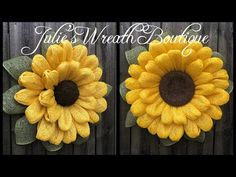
(111, 136)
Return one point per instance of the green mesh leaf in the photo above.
(200, 138)
(218, 55)
(17, 65)
(10, 105)
(167, 142)
(24, 131)
(52, 147)
(231, 86)
(130, 120)
(109, 88)
(81, 140)
(123, 90)
(132, 55)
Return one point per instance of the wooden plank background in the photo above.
(110, 136)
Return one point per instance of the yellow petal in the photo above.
(57, 136)
(30, 80)
(204, 122)
(86, 76)
(93, 116)
(138, 108)
(195, 68)
(65, 120)
(101, 105)
(67, 49)
(63, 69)
(188, 56)
(144, 57)
(135, 70)
(132, 96)
(83, 129)
(100, 90)
(195, 45)
(54, 112)
(46, 98)
(156, 108)
(191, 129)
(149, 95)
(26, 96)
(35, 112)
(191, 111)
(156, 48)
(145, 120)
(154, 67)
(90, 61)
(167, 115)
(178, 115)
(204, 53)
(88, 89)
(176, 58)
(203, 78)
(212, 65)
(79, 114)
(179, 42)
(165, 63)
(167, 43)
(176, 132)
(218, 97)
(200, 102)
(204, 89)
(45, 130)
(163, 130)
(50, 78)
(131, 83)
(87, 102)
(153, 127)
(70, 135)
(40, 64)
(97, 73)
(55, 55)
(214, 112)
(79, 52)
(73, 72)
(221, 83)
(221, 74)
(148, 80)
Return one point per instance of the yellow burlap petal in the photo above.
(138, 108)
(176, 58)
(156, 108)
(65, 120)
(57, 136)
(132, 96)
(90, 61)
(45, 130)
(221, 83)
(87, 102)
(88, 89)
(83, 129)
(55, 55)
(145, 120)
(214, 112)
(46, 98)
(50, 78)
(156, 48)
(26, 96)
(85, 76)
(221, 74)
(149, 95)
(155, 68)
(31, 80)
(179, 116)
(203, 78)
(191, 111)
(218, 97)
(67, 49)
(93, 116)
(100, 90)
(204, 53)
(135, 70)
(54, 112)
(204, 122)
(97, 73)
(163, 130)
(167, 115)
(153, 127)
(79, 53)
(176, 132)
(195, 45)
(204, 89)
(147, 80)
(191, 129)
(70, 135)
(101, 105)
(195, 68)
(165, 62)
(212, 65)
(144, 57)
(40, 64)
(200, 102)
(131, 83)
(79, 114)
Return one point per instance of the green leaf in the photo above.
(200, 138)
(109, 88)
(123, 90)
(130, 120)
(81, 140)
(52, 147)
(167, 142)
(44, 46)
(24, 131)
(17, 65)
(231, 86)
(218, 55)
(10, 105)
(132, 55)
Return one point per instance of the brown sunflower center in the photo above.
(66, 93)
(176, 88)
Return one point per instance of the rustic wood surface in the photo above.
(110, 136)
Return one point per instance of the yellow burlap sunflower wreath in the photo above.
(171, 93)
(62, 94)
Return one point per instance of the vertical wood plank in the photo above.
(87, 148)
(6, 85)
(223, 143)
(106, 130)
(124, 108)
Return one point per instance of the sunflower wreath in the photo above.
(59, 93)
(172, 94)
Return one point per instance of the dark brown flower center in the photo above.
(176, 88)
(66, 93)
